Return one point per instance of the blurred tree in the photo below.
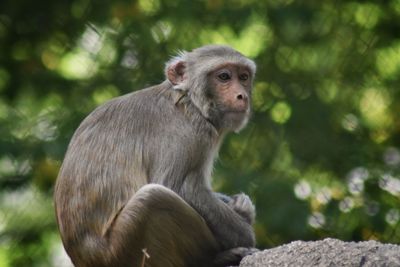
(320, 157)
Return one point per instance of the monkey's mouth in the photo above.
(236, 116)
(237, 111)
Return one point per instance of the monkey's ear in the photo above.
(175, 72)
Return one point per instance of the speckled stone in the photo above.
(328, 252)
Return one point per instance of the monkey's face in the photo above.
(231, 90)
(218, 81)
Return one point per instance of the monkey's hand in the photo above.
(224, 198)
(232, 257)
(241, 203)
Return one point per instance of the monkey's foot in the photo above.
(232, 257)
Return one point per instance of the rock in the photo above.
(329, 252)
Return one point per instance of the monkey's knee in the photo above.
(160, 201)
(157, 197)
(154, 191)
(169, 225)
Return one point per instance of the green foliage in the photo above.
(320, 156)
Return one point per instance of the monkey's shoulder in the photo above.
(145, 108)
(143, 97)
(140, 100)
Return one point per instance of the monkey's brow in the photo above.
(238, 65)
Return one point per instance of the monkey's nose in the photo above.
(241, 96)
(241, 102)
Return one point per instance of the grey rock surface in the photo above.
(328, 252)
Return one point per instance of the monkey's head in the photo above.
(218, 80)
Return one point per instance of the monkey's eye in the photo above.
(244, 77)
(224, 76)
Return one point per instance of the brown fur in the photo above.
(136, 173)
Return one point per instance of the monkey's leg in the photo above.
(171, 232)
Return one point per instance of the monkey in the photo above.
(136, 178)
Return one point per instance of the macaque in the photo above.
(134, 188)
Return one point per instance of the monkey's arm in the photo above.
(228, 226)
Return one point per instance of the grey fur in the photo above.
(137, 176)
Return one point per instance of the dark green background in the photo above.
(319, 158)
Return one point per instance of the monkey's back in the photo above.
(114, 152)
